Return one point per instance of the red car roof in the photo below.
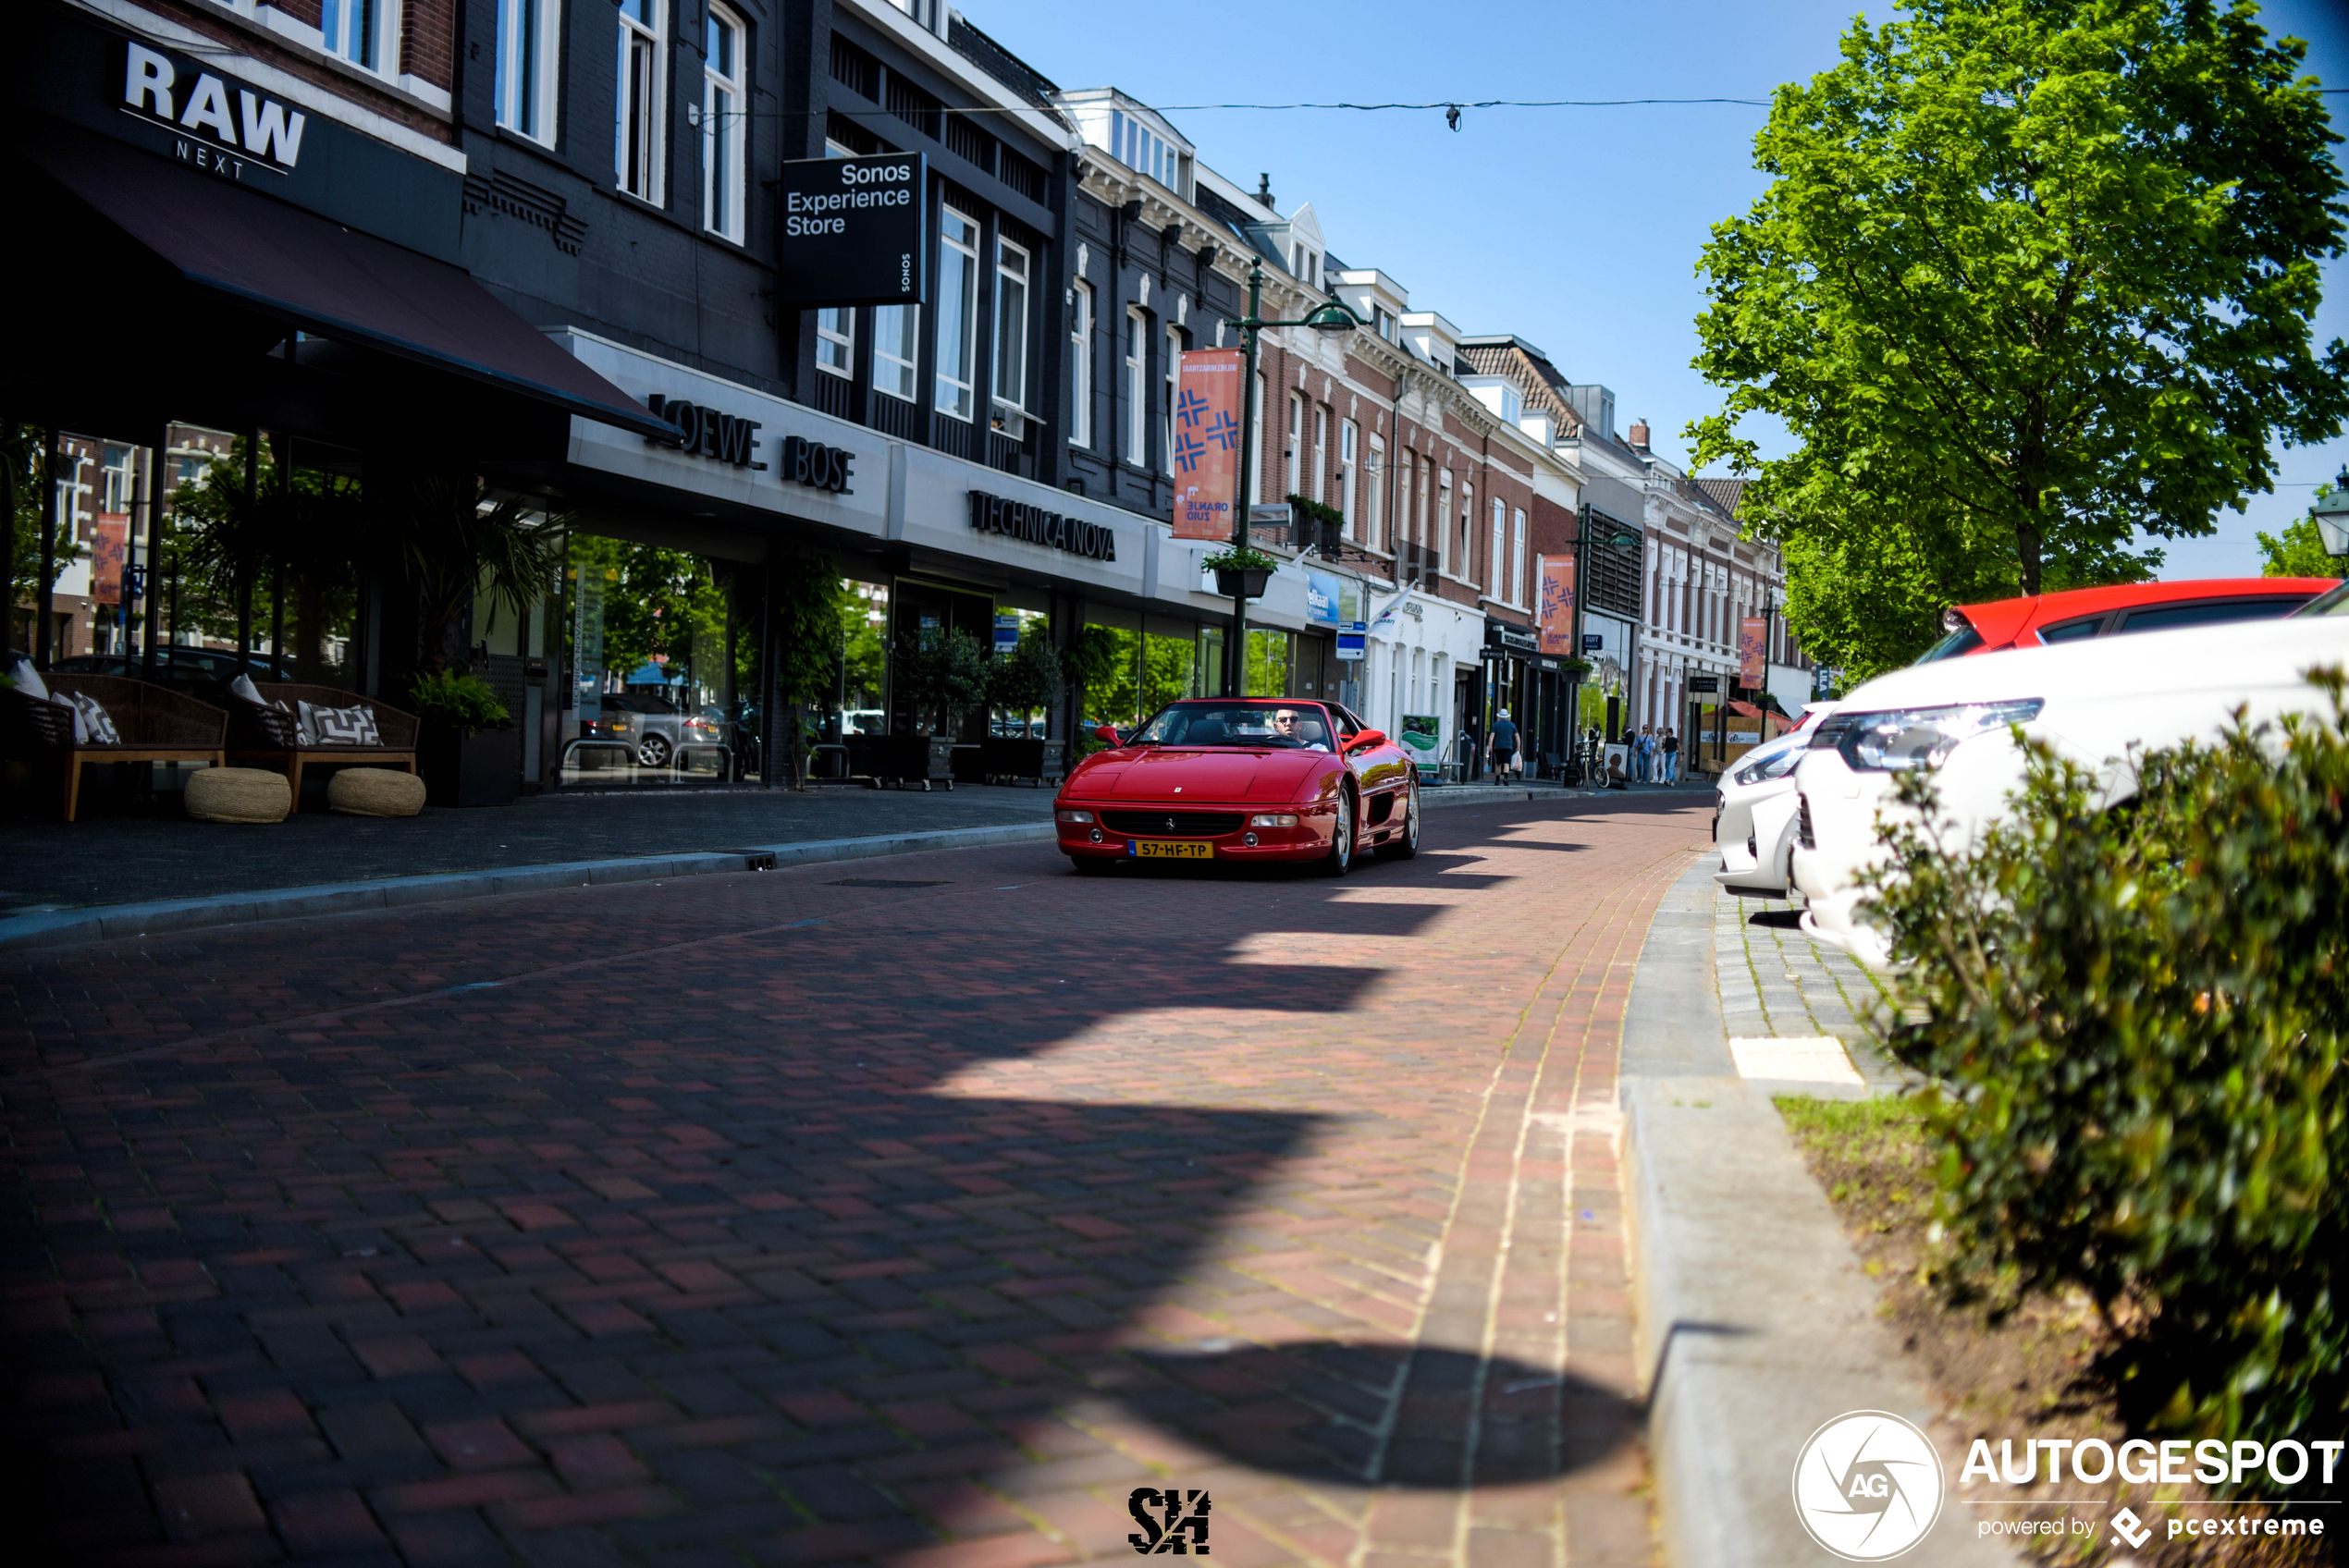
(2004, 621)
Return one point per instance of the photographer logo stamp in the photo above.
(1868, 1486)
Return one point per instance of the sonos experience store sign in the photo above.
(854, 231)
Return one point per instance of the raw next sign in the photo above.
(1016, 520)
(853, 231)
(226, 128)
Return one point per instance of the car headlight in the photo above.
(1763, 769)
(1073, 815)
(1273, 819)
(1897, 740)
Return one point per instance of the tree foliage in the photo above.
(2031, 277)
(1027, 678)
(2299, 550)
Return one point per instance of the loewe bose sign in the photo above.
(214, 126)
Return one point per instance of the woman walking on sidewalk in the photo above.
(1671, 755)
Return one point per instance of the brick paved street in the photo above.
(789, 1218)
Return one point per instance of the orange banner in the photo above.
(1754, 650)
(1207, 443)
(109, 553)
(1554, 614)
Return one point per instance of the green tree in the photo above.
(2030, 277)
(1027, 678)
(2299, 551)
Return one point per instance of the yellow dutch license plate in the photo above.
(1169, 849)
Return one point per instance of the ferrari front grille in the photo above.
(1171, 823)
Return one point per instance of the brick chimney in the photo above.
(1264, 192)
(1639, 433)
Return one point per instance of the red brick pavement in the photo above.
(766, 1219)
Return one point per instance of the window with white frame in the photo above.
(1374, 492)
(897, 338)
(1463, 567)
(957, 313)
(364, 33)
(1295, 454)
(1444, 511)
(836, 327)
(1320, 452)
(642, 71)
(1304, 264)
(1349, 436)
(1170, 392)
(1495, 581)
(1010, 337)
(529, 44)
(1143, 149)
(1516, 555)
(724, 97)
(1137, 387)
(1080, 366)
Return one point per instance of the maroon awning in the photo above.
(319, 276)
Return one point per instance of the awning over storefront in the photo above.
(321, 278)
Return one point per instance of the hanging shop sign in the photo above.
(854, 231)
(707, 432)
(1017, 519)
(1704, 683)
(1509, 637)
(1207, 443)
(818, 466)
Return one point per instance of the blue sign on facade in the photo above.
(1320, 599)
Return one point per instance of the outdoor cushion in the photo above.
(29, 681)
(339, 727)
(375, 791)
(91, 725)
(243, 686)
(238, 794)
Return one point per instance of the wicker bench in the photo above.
(272, 735)
(152, 724)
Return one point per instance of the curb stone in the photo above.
(1754, 1325)
(98, 923)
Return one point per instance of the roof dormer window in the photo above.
(1304, 264)
(1144, 151)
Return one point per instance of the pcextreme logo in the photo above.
(1868, 1486)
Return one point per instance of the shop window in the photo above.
(529, 43)
(362, 32)
(723, 115)
(1270, 656)
(1010, 337)
(1080, 366)
(643, 75)
(896, 348)
(1137, 387)
(957, 313)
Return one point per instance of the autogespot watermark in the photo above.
(1869, 1485)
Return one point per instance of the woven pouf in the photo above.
(375, 791)
(238, 794)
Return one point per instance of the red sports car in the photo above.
(1241, 779)
(2123, 606)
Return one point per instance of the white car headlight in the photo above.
(1763, 769)
(1897, 740)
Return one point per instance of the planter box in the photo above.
(479, 770)
(902, 759)
(1011, 757)
(1241, 583)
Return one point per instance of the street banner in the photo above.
(109, 553)
(1555, 616)
(1207, 443)
(1754, 650)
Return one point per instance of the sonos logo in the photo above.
(1868, 1486)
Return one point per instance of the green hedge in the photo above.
(2133, 1020)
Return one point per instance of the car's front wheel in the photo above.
(1340, 860)
(1406, 844)
(653, 751)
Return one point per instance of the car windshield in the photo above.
(2332, 601)
(1956, 643)
(1294, 726)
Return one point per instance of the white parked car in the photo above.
(2092, 701)
(1754, 813)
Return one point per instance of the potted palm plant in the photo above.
(1241, 571)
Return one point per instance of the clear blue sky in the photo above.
(1576, 228)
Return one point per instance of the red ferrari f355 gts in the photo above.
(1241, 779)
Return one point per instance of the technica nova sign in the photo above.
(216, 125)
(1017, 519)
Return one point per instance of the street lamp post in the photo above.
(1331, 317)
(2331, 512)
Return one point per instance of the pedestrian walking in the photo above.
(1671, 755)
(1647, 754)
(1503, 746)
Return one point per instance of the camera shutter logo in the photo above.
(1868, 1486)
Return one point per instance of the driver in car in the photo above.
(1288, 732)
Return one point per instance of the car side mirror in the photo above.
(1108, 734)
(1367, 738)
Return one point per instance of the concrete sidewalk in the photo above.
(236, 888)
(1755, 1325)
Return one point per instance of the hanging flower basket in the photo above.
(1241, 583)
